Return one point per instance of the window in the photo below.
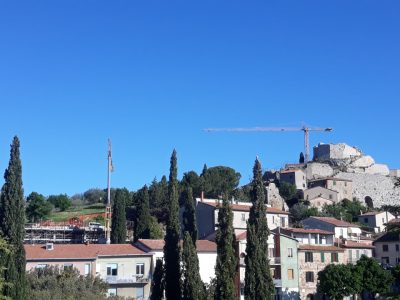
(341, 232)
(290, 252)
(111, 292)
(397, 247)
(243, 217)
(385, 248)
(290, 274)
(322, 257)
(283, 222)
(334, 182)
(334, 257)
(350, 255)
(41, 266)
(309, 276)
(385, 260)
(87, 269)
(330, 196)
(112, 270)
(397, 260)
(139, 293)
(345, 184)
(365, 220)
(140, 269)
(68, 267)
(357, 254)
(383, 220)
(309, 257)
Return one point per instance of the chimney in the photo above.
(49, 246)
(202, 196)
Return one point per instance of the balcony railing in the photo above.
(125, 280)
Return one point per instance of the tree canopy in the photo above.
(219, 180)
(37, 207)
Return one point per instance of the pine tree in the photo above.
(193, 288)
(143, 222)
(172, 247)
(189, 215)
(258, 281)
(12, 222)
(157, 284)
(225, 269)
(118, 220)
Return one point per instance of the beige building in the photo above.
(126, 268)
(207, 216)
(320, 192)
(296, 177)
(387, 248)
(343, 187)
(341, 229)
(376, 219)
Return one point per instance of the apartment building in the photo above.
(340, 228)
(296, 177)
(126, 268)
(387, 248)
(343, 187)
(376, 219)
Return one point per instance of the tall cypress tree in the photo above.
(225, 269)
(189, 215)
(142, 224)
(172, 247)
(258, 281)
(12, 221)
(193, 288)
(118, 220)
(157, 284)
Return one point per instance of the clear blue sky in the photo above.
(152, 74)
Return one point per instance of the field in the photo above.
(77, 211)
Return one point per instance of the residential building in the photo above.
(320, 192)
(387, 248)
(296, 177)
(126, 268)
(206, 252)
(316, 250)
(353, 250)
(376, 219)
(341, 229)
(343, 187)
(283, 260)
(207, 216)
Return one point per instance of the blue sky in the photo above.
(152, 74)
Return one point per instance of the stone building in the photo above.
(296, 177)
(387, 248)
(343, 187)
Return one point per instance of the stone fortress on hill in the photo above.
(344, 169)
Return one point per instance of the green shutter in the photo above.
(322, 257)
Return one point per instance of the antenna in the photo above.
(108, 206)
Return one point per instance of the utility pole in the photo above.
(108, 206)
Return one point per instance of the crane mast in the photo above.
(305, 129)
(108, 206)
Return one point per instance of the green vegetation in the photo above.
(37, 207)
(189, 215)
(219, 180)
(258, 280)
(5, 253)
(62, 201)
(172, 249)
(53, 283)
(301, 211)
(142, 222)
(76, 211)
(346, 209)
(193, 287)
(12, 222)
(118, 221)
(287, 190)
(158, 283)
(225, 268)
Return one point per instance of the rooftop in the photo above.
(330, 178)
(80, 251)
(352, 244)
(391, 236)
(336, 222)
(319, 247)
(372, 213)
(158, 245)
(245, 207)
(307, 230)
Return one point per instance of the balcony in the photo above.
(275, 260)
(126, 280)
(278, 282)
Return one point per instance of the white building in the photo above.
(207, 216)
(342, 229)
(376, 219)
(206, 252)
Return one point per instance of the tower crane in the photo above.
(305, 129)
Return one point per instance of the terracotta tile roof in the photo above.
(319, 247)
(307, 230)
(80, 251)
(158, 245)
(289, 171)
(335, 222)
(243, 207)
(371, 213)
(352, 244)
(241, 236)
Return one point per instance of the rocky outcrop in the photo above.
(273, 197)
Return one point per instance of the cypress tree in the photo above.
(142, 224)
(193, 288)
(258, 281)
(12, 221)
(301, 158)
(157, 284)
(118, 220)
(225, 269)
(189, 215)
(172, 247)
